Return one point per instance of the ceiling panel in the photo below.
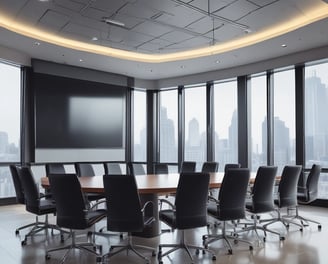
(214, 4)
(152, 29)
(237, 10)
(71, 5)
(54, 19)
(205, 25)
(175, 37)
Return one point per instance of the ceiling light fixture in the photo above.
(110, 21)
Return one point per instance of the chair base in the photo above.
(255, 227)
(208, 239)
(304, 221)
(182, 245)
(81, 246)
(129, 246)
(286, 222)
(38, 227)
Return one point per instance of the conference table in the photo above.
(150, 186)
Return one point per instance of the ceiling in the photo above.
(157, 39)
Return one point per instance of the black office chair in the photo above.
(37, 204)
(210, 166)
(112, 168)
(228, 166)
(54, 168)
(188, 166)
(72, 213)
(230, 205)
(86, 170)
(189, 211)
(125, 213)
(262, 198)
(287, 195)
(21, 199)
(307, 194)
(161, 168)
(136, 168)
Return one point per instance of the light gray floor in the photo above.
(307, 247)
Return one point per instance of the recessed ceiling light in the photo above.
(36, 43)
(217, 61)
(81, 60)
(182, 66)
(284, 45)
(94, 39)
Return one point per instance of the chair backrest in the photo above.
(161, 168)
(55, 168)
(31, 190)
(263, 188)
(136, 169)
(17, 184)
(191, 200)
(123, 203)
(112, 168)
(188, 166)
(210, 166)
(232, 194)
(70, 204)
(312, 183)
(287, 190)
(84, 169)
(231, 166)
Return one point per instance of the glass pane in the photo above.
(258, 89)
(140, 134)
(9, 113)
(195, 125)
(168, 127)
(316, 120)
(226, 123)
(284, 118)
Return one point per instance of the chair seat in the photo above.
(93, 216)
(168, 217)
(212, 208)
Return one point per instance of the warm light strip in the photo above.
(319, 13)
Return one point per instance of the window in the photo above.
(139, 122)
(168, 126)
(226, 123)
(195, 124)
(284, 118)
(10, 117)
(258, 90)
(316, 120)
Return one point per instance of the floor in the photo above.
(309, 246)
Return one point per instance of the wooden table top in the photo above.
(149, 183)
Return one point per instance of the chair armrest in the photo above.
(164, 201)
(145, 206)
(213, 199)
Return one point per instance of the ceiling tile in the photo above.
(175, 36)
(54, 19)
(152, 29)
(237, 10)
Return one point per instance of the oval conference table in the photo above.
(149, 187)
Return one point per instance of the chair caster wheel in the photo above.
(98, 259)
(319, 227)
(62, 239)
(230, 252)
(264, 239)
(282, 238)
(213, 257)
(250, 248)
(17, 232)
(197, 252)
(153, 253)
(47, 256)
(301, 229)
(121, 236)
(23, 243)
